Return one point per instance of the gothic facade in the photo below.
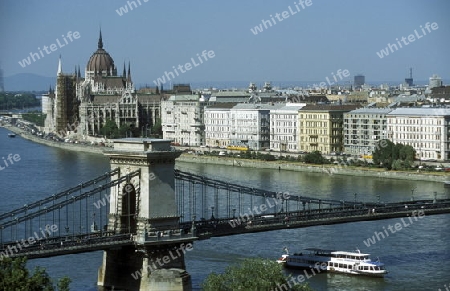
(82, 105)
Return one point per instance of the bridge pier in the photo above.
(145, 208)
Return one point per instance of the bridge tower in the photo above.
(145, 207)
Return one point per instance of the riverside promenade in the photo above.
(62, 145)
(329, 169)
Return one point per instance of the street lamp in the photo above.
(354, 205)
(412, 193)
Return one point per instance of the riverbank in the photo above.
(51, 143)
(246, 163)
(323, 169)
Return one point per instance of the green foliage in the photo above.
(267, 157)
(63, 284)
(314, 158)
(110, 129)
(14, 275)
(157, 127)
(251, 275)
(19, 100)
(34, 117)
(393, 156)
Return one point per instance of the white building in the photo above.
(363, 129)
(435, 81)
(182, 120)
(425, 129)
(218, 124)
(251, 125)
(284, 127)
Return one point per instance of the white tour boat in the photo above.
(354, 263)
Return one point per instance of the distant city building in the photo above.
(284, 127)
(427, 130)
(363, 129)
(251, 125)
(441, 94)
(359, 81)
(218, 124)
(182, 120)
(435, 81)
(321, 127)
(410, 81)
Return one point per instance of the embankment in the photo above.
(325, 169)
(275, 165)
(62, 145)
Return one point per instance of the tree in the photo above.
(383, 154)
(157, 127)
(252, 275)
(110, 129)
(314, 158)
(407, 153)
(14, 275)
(393, 156)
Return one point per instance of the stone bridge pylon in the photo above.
(145, 207)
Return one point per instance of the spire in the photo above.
(100, 41)
(50, 90)
(59, 66)
(124, 74)
(79, 72)
(129, 73)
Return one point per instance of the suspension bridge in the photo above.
(143, 208)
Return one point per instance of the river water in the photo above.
(417, 256)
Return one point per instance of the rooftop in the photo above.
(367, 110)
(421, 111)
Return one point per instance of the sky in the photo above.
(310, 43)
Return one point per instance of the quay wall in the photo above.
(275, 165)
(325, 169)
(61, 145)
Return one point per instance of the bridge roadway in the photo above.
(298, 219)
(83, 243)
(205, 229)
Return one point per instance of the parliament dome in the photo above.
(100, 59)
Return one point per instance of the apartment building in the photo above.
(218, 124)
(284, 127)
(321, 127)
(363, 129)
(182, 120)
(425, 129)
(251, 125)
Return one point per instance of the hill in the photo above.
(28, 82)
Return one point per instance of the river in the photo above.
(416, 256)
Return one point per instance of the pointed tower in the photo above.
(59, 66)
(124, 74)
(100, 40)
(129, 74)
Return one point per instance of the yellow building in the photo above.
(321, 127)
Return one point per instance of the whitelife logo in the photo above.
(281, 16)
(53, 47)
(411, 38)
(12, 249)
(206, 55)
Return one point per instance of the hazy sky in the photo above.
(309, 44)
